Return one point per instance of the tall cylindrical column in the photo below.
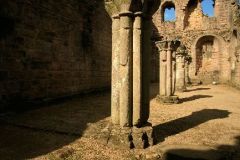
(126, 51)
(187, 80)
(115, 70)
(146, 67)
(137, 69)
(169, 69)
(163, 72)
(180, 73)
(173, 72)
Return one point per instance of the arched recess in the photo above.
(210, 62)
(168, 12)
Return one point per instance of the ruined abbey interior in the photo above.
(120, 79)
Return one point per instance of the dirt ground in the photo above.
(205, 124)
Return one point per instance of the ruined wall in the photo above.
(235, 45)
(51, 49)
(192, 25)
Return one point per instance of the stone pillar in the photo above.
(176, 44)
(146, 67)
(169, 70)
(125, 75)
(115, 70)
(173, 72)
(162, 67)
(180, 71)
(163, 73)
(188, 61)
(137, 69)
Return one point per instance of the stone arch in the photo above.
(210, 59)
(168, 5)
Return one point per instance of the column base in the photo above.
(168, 99)
(132, 138)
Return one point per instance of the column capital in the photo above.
(176, 44)
(161, 45)
(170, 45)
(182, 50)
(188, 59)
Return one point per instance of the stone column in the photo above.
(115, 70)
(180, 75)
(167, 83)
(169, 69)
(125, 75)
(173, 72)
(163, 73)
(137, 69)
(188, 61)
(146, 67)
(176, 44)
(162, 67)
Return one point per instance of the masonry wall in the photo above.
(235, 46)
(192, 25)
(51, 49)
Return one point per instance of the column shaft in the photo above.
(187, 79)
(163, 73)
(169, 72)
(146, 67)
(126, 35)
(180, 75)
(137, 69)
(174, 73)
(115, 71)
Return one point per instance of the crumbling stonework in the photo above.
(211, 41)
(51, 49)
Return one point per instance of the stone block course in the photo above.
(55, 49)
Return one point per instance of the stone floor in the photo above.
(205, 125)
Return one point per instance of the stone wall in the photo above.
(192, 25)
(51, 49)
(235, 45)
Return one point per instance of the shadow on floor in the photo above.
(174, 127)
(194, 97)
(197, 89)
(38, 132)
(223, 152)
